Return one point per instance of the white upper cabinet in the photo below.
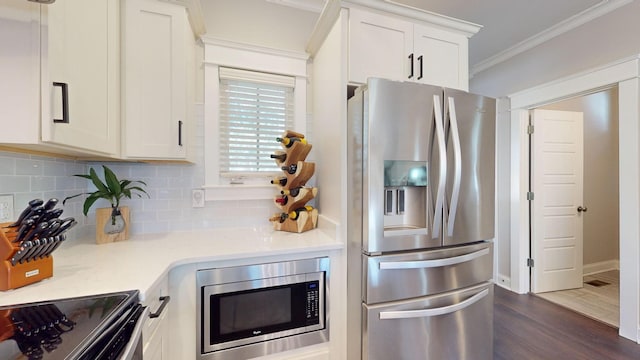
(392, 47)
(157, 45)
(19, 71)
(80, 75)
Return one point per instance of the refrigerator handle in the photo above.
(409, 314)
(424, 264)
(437, 211)
(457, 164)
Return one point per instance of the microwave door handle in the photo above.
(411, 314)
(424, 264)
(457, 165)
(442, 171)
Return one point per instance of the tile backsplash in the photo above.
(168, 207)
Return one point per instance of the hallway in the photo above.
(528, 327)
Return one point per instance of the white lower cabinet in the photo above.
(155, 333)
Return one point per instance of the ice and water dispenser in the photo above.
(405, 197)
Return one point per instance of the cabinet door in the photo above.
(155, 331)
(81, 52)
(441, 57)
(379, 46)
(155, 75)
(19, 71)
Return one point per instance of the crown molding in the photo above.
(195, 14)
(306, 5)
(597, 10)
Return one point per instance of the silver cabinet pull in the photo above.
(457, 164)
(437, 218)
(425, 264)
(409, 314)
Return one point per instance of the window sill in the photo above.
(239, 192)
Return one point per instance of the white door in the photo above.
(557, 208)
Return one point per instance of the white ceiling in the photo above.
(509, 26)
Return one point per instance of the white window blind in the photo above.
(255, 108)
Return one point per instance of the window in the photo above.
(255, 108)
(251, 95)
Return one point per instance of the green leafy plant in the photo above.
(112, 189)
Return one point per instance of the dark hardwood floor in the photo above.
(528, 327)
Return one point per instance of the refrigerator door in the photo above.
(410, 275)
(401, 121)
(454, 325)
(469, 205)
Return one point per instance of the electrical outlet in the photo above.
(197, 198)
(6, 208)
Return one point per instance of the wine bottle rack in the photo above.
(20, 274)
(295, 155)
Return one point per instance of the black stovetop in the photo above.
(57, 329)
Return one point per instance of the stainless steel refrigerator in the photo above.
(421, 163)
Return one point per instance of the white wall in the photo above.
(601, 41)
(258, 22)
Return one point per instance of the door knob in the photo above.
(582, 209)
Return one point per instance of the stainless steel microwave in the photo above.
(255, 310)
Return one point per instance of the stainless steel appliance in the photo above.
(107, 326)
(421, 182)
(254, 310)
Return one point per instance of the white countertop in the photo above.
(138, 263)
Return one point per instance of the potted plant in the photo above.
(111, 189)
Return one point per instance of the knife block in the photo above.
(12, 277)
(296, 154)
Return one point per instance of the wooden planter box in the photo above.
(102, 216)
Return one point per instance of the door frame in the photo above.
(625, 74)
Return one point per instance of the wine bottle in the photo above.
(279, 155)
(296, 213)
(279, 181)
(288, 141)
(292, 192)
(282, 200)
(291, 169)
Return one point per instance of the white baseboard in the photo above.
(503, 281)
(594, 268)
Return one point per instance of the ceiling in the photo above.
(509, 26)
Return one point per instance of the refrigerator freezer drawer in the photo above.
(454, 325)
(409, 275)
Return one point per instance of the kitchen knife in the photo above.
(29, 254)
(24, 249)
(50, 204)
(23, 215)
(57, 241)
(36, 231)
(67, 224)
(45, 243)
(51, 214)
(24, 229)
(54, 225)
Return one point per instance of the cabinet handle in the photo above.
(179, 132)
(65, 103)
(410, 66)
(165, 300)
(420, 60)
